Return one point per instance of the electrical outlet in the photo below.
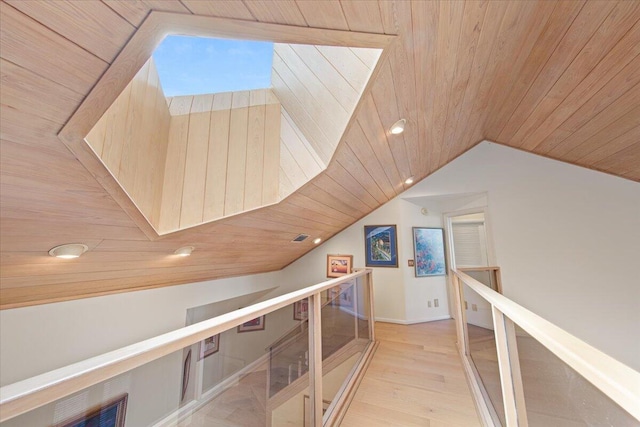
(436, 303)
(474, 307)
(466, 306)
(429, 303)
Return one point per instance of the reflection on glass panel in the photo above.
(141, 397)
(345, 334)
(485, 277)
(556, 395)
(482, 347)
(289, 360)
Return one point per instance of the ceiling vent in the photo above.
(300, 238)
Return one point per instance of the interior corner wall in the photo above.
(567, 240)
(37, 339)
(399, 296)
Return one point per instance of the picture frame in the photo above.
(109, 414)
(301, 309)
(429, 252)
(381, 246)
(339, 265)
(256, 324)
(209, 346)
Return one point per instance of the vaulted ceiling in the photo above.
(559, 79)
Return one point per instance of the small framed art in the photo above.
(381, 246)
(339, 265)
(301, 309)
(428, 246)
(209, 346)
(256, 324)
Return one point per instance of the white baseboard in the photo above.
(414, 321)
(184, 412)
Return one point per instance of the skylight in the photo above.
(198, 65)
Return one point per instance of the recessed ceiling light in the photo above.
(184, 251)
(317, 240)
(409, 181)
(398, 127)
(68, 251)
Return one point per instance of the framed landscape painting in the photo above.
(428, 246)
(339, 265)
(381, 246)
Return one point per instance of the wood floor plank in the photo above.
(415, 378)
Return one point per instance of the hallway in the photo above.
(416, 378)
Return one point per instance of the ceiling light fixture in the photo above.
(68, 251)
(409, 181)
(184, 251)
(398, 127)
(317, 240)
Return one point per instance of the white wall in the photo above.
(399, 296)
(40, 338)
(567, 240)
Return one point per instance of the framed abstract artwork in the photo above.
(428, 246)
(209, 346)
(339, 265)
(256, 324)
(110, 414)
(381, 246)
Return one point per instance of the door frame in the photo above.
(448, 231)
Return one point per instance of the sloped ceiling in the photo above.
(560, 79)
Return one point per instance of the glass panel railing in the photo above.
(556, 395)
(345, 335)
(482, 348)
(254, 374)
(486, 277)
(159, 391)
(289, 361)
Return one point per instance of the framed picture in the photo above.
(209, 346)
(301, 309)
(111, 414)
(428, 246)
(380, 246)
(256, 324)
(339, 265)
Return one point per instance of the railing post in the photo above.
(461, 318)
(372, 318)
(509, 365)
(356, 307)
(315, 359)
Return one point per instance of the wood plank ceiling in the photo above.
(560, 79)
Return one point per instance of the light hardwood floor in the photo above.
(415, 379)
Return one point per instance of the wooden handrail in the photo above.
(618, 381)
(482, 268)
(24, 396)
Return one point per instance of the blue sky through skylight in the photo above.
(197, 65)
